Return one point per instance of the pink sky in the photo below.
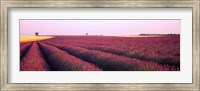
(97, 27)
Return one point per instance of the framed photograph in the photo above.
(100, 45)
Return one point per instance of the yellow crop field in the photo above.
(34, 38)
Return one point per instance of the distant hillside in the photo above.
(142, 34)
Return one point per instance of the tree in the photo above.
(36, 33)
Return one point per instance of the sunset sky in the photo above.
(97, 27)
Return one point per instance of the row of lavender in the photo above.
(42, 57)
(164, 50)
(60, 60)
(63, 54)
(112, 62)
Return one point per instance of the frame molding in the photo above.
(6, 4)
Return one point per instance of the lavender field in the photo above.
(102, 53)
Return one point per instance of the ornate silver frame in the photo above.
(6, 4)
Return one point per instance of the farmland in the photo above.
(101, 53)
(33, 38)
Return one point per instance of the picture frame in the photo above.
(6, 4)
